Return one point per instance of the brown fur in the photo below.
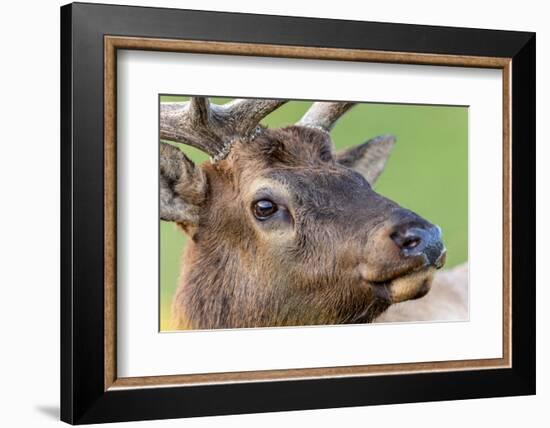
(325, 259)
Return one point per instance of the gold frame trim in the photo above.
(113, 43)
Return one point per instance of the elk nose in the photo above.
(416, 240)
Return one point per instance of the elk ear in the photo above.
(368, 158)
(182, 187)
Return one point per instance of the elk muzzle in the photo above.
(405, 253)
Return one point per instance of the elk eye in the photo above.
(264, 208)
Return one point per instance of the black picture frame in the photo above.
(83, 396)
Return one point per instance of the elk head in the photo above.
(282, 230)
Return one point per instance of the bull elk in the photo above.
(284, 231)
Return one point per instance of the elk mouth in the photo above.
(406, 284)
(410, 286)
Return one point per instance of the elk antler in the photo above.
(324, 115)
(213, 128)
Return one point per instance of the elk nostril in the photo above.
(410, 243)
(407, 239)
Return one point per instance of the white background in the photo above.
(29, 230)
(142, 351)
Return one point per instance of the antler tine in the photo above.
(188, 123)
(324, 115)
(213, 128)
(248, 113)
(199, 110)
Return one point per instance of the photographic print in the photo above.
(340, 185)
(279, 213)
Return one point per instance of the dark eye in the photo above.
(264, 209)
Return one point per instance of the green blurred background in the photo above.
(427, 172)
